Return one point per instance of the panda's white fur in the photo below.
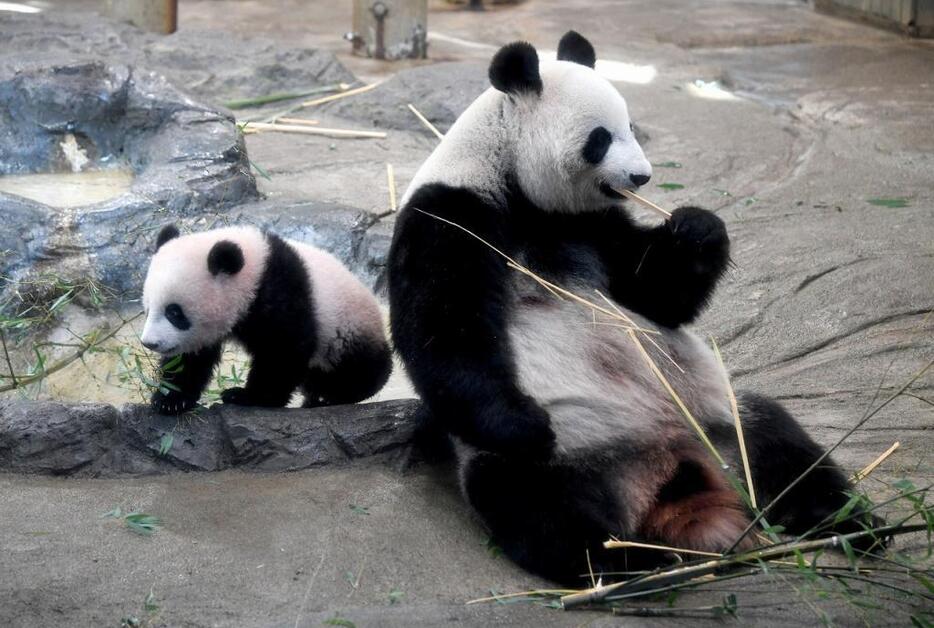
(487, 141)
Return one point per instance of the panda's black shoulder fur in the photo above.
(450, 300)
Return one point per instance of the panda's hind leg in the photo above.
(360, 372)
(551, 519)
(779, 452)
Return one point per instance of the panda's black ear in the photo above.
(225, 257)
(169, 232)
(574, 47)
(514, 69)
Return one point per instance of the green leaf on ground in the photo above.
(667, 164)
(671, 186)
(395, 596)
(359, 510)
(165, 443)
(340, 621)
(894, 203)
(141, 523)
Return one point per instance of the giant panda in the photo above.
(563, 434)
(304, 318)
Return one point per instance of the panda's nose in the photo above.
(640, 179)
(152, 346)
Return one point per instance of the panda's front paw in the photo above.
(172, 402)
(699, 236)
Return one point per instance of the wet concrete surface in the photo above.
(830, 299)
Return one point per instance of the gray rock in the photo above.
(440, 92)
(53, 438)
(186, 157)
(99, 440)
(213, 65)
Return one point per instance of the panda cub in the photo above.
(303, 317)
(564, 435)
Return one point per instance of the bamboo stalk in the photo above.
(869, 468)
(391, 179)
(298, 121)
(734, 408)
(308, 130)
(614, 544)
(344, 94)
(644, 201)
(694, 571)
(20, 381)
(768, 507)
(424, 120)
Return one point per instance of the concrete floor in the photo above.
(831, 294)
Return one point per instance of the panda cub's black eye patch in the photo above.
(598, 142)
(175, 315)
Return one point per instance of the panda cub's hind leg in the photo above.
(360, 372)
(779, 452)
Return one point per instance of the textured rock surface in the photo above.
(186, 157)
(205, 63)
(97, 440)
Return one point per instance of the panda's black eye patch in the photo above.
(175, 315)
(598, 142)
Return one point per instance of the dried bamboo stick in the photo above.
(644, 201)
(424, 120)
(350, 92)
(614, 544)
(298, 121)
(307, 130)
(734, 408)
(391, 178)
(869, 468)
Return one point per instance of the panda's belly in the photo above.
(587, 371)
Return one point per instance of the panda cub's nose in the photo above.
(640, 179)
(152, 346)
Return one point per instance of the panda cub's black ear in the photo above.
(225, 257)
(169, 232)
(574, 47)
(514, 69)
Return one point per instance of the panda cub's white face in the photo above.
(576, 142)
(199, 285)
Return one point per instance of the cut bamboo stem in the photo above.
(613, 544)
(350, 92)
(391, 179)
(309, 130)
(734, 408)
(424, 120)
(298, 121)
(644, 201)
(694, 571)
(869, 468)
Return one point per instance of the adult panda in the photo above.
(564, 435)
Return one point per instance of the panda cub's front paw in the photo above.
(172, 402)
(699, 236)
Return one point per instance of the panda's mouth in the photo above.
(612, 193)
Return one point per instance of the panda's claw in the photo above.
(171, 403)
